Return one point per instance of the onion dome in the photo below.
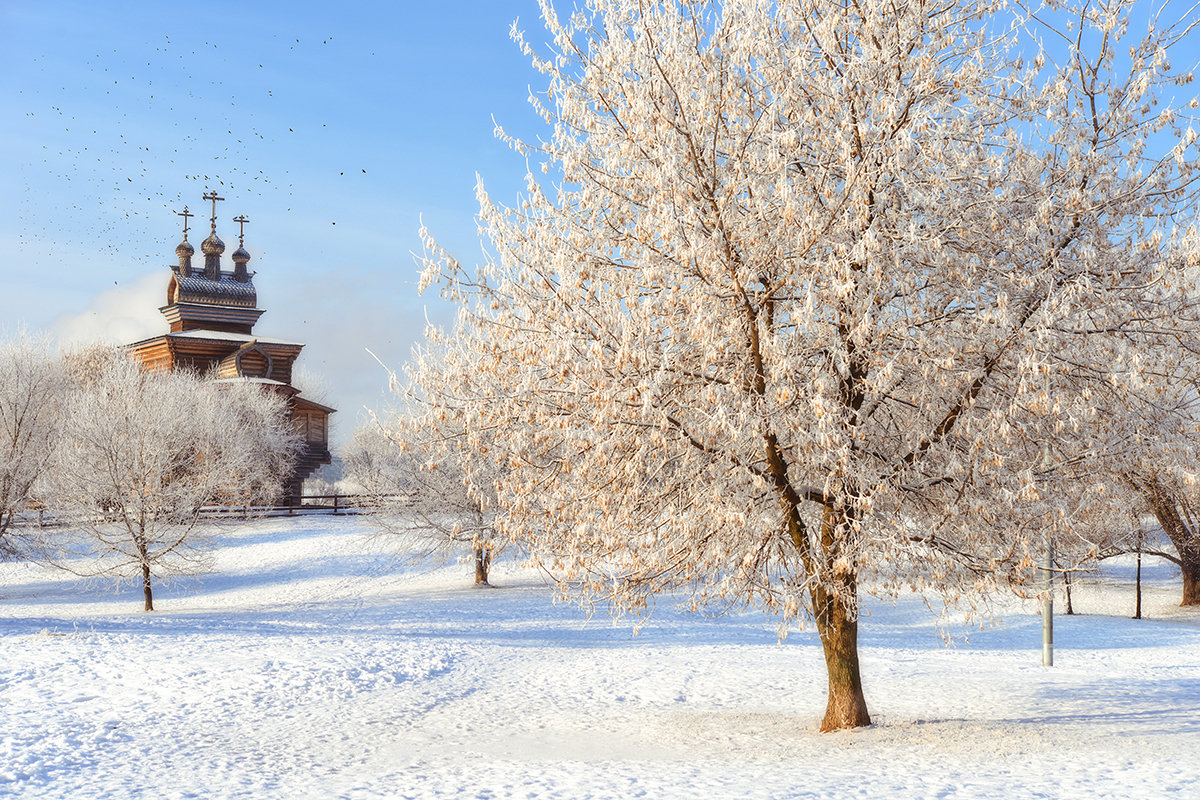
(212, 246)
(185, 251)
(240, 257)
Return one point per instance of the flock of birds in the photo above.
(115, 142)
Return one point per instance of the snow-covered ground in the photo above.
(310, 665)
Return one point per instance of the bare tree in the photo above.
(1175, 502)
(1157, 474)
(376, 466)
(813, 286)
(32, 389)
(433, 483)
(142, 452)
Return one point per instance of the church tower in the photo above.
(211, 314)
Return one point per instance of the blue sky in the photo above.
(334, 127)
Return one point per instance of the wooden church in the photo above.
(212, 313)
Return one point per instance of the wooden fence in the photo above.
(303, 505)
(306, 504)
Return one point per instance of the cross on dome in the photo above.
(185, 214)
(241, 220)
(213, 219)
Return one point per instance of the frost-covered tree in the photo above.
(142, 451)
(811, 286)
(1172, 496)
(375, 466)
(421, 494)
(434, 484)
(32, 389)
(1154, 465)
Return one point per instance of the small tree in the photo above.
(377, 467)
(142, 453)
(813, 286)
(1158, 473)
(1174, 499)
(422, 494)
(32, 390)
(432, 482)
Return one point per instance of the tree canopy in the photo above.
(812, 288)
(142, 451)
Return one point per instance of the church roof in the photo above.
(258, 381)
(219, 336)
(225, 290)
(223, 336)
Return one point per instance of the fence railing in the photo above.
(306, 504)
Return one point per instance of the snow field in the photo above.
(311, 664)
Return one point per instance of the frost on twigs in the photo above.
(32, 392)
(433, 484)
(141, 452)
(820, 284)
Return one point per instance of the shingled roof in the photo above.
(224, 291)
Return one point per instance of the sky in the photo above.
(335, 128)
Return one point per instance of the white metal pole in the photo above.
(1048, 605)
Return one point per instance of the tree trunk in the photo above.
(847, 706)
(837, 623)
(149, 594)
(1067, 584)
(143, 548)
(1187, 544)
(1137, 611)
(1191, 582)
(1178, 521)
(483, 562)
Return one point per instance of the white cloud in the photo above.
(117, 316)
